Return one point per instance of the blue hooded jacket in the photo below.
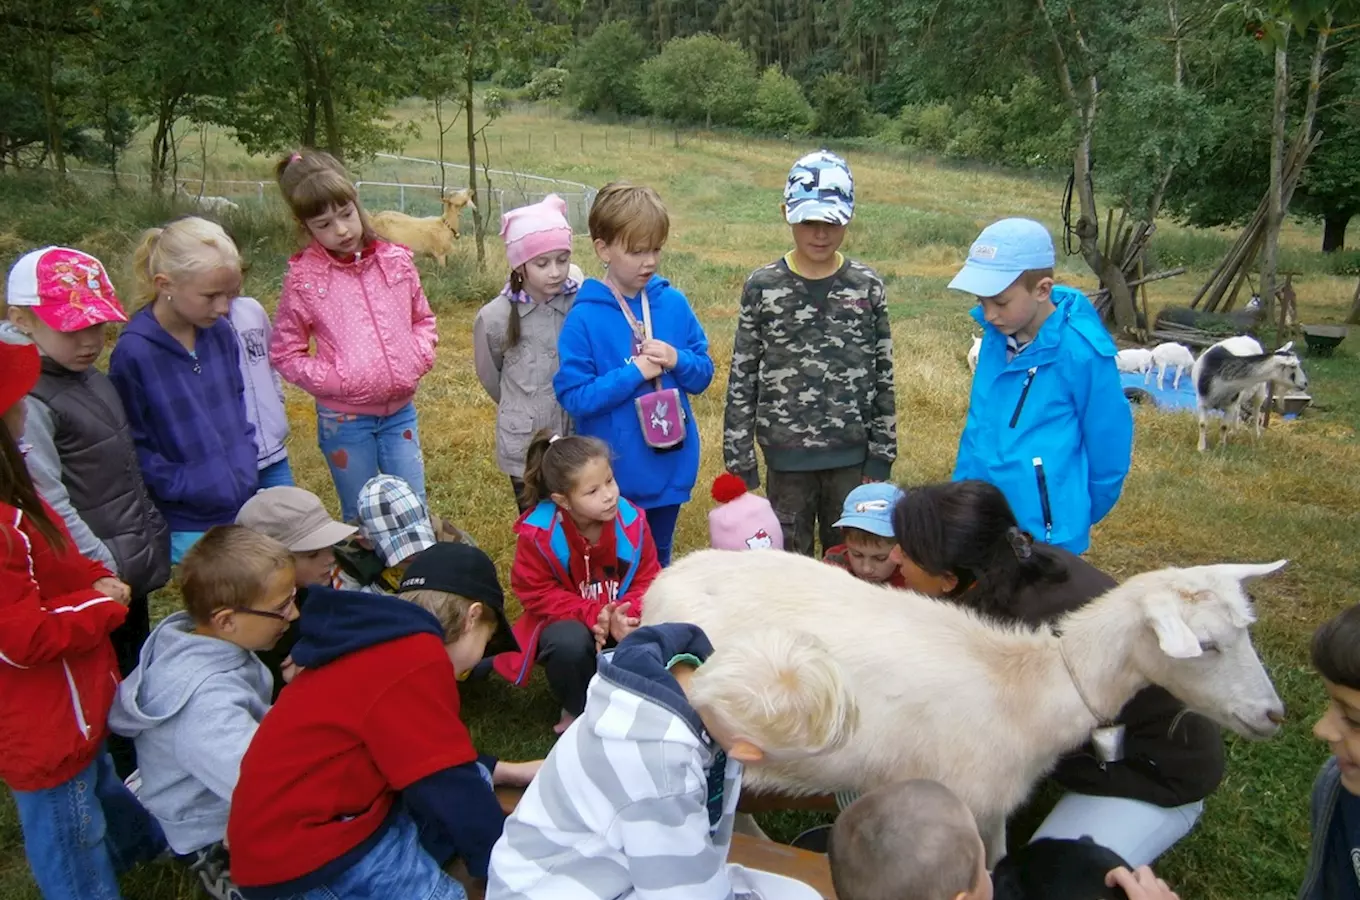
(1059, 401)
(597, 382)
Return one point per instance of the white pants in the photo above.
(1140, 832)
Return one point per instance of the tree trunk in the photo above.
(477, 228)
(51, 113)
(439, 124)
(1270, 256)
(1334, 231)
(1354, 317)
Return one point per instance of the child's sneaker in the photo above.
(212, 866)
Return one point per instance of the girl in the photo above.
(359, 298)
(624, 335)
(81, 457)
(960, 542)
(177, 369)
(264, 392)
(514, 338)
(58, 675)
(583, 559)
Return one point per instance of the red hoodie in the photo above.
(58, 672)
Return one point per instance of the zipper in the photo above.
(377, 332)
(83, 725)
(1024, 393)
(1043, 493)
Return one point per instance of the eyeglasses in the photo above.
(267, 614)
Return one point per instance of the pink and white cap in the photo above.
(535, 229)
(67, 290)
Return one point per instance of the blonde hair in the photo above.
(630, 214)
(185, 246)
(229, 568)
(450, 609)
(778, 688)
(313, 182)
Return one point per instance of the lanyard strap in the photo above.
(641, 331)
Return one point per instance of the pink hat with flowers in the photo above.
(535, 229)
(67, 290)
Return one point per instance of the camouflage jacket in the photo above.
(812, 374)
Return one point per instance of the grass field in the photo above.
(1295, 495)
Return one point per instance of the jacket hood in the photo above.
(596, 291)
(144, 325)
(338, 623)
(173, 663)
(641, 665)
(1071, 310)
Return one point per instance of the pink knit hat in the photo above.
(742, 521)
(535, 229)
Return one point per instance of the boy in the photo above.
(637, 798)
(368, 736)
(812, 365)
(1047, 420)
(81, 456)
(1336, 794)
(199, 693)
(296, 519)
(867, 538)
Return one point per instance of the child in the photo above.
(741, 520)
(514, 338)
(812, 364)
(1336, 794)
(1047, 419)
(625, 335)
(867, 539)
(263, 391)
(584, 557)
(194, 702)
(638, 798)
(368, 735)
(81, 457)
(359, 299)
(177, 369)
(58, 675)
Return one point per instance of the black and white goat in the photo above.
(1229, 376)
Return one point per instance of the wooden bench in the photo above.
(810, 868)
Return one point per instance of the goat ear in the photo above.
(1173, 635)
(1285, 350)
(1243, 571)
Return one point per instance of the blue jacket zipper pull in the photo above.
(1043, 498)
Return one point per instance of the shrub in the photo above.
(513, 75)
(842, 108)
(546, 85)
(494, 102)
(603, 71)
(780, 106)
(700, 79)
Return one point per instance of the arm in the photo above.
(463, 807)
(882, 425)
(693, 369)
(288, 346)
(487, 357)
(743, 392)
(44, 467)
(222, 727)
(669, 851)
(581, 390)
(540, 593)
(423, 325)
(1106, 423)
(238, 386)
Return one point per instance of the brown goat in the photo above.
(432, 235)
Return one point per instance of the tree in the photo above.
(700, 79)
(780, 106)
(841, 108)
(604, 71)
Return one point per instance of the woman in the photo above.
(959, 542)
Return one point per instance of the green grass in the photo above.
(1294, 495)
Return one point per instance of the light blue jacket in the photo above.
(1059, 401)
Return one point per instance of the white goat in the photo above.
(1232, 381)
(1135, 359)
(973, 354)
(432, 235)
(982, 708)
(1170, 356)
(210, 203)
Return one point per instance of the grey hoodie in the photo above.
(191, 707)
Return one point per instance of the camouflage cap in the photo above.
(820, 189)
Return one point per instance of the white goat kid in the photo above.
(1170, 356)
(1233, 381)
(207, 202)
(982, 708)
(973, 354)
(1135, 360)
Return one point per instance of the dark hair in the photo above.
(1336, 649)
(966, 529)
(16, 489)
(312, 182)
(552, 463)
(512, 325)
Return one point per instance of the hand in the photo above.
(601, 627)
(660, 352)
(289, 669)
(621, 624)
(1140, 885)
(114, 589)
(868, 479)
(517, 774)
(649, 367)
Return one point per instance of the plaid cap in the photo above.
(393, 519)
(820, 189)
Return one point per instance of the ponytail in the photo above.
(313, 182)
(552, 463)
(185, 246)
(512, 326)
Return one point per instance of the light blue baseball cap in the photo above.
(820, 188)
(869, 507)
(1001, 253)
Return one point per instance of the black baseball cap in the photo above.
(462, 569)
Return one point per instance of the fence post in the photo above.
(606, 140)
(259, 188)
(583, 142)
(401, 195)
(554, 140)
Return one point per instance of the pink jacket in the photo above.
(374, 330)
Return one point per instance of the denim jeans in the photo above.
(279, 474)
(661, 522)
(359, 447)
(396, 866)
(80, 835)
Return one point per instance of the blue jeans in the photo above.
(661, 522)
(396, 866)
(180, 542)
(359, 447)
(80, 835)
(279, 474)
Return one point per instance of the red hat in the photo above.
(19, 368)
(67, 289)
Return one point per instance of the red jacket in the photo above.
(58, 672)
(549, 576)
